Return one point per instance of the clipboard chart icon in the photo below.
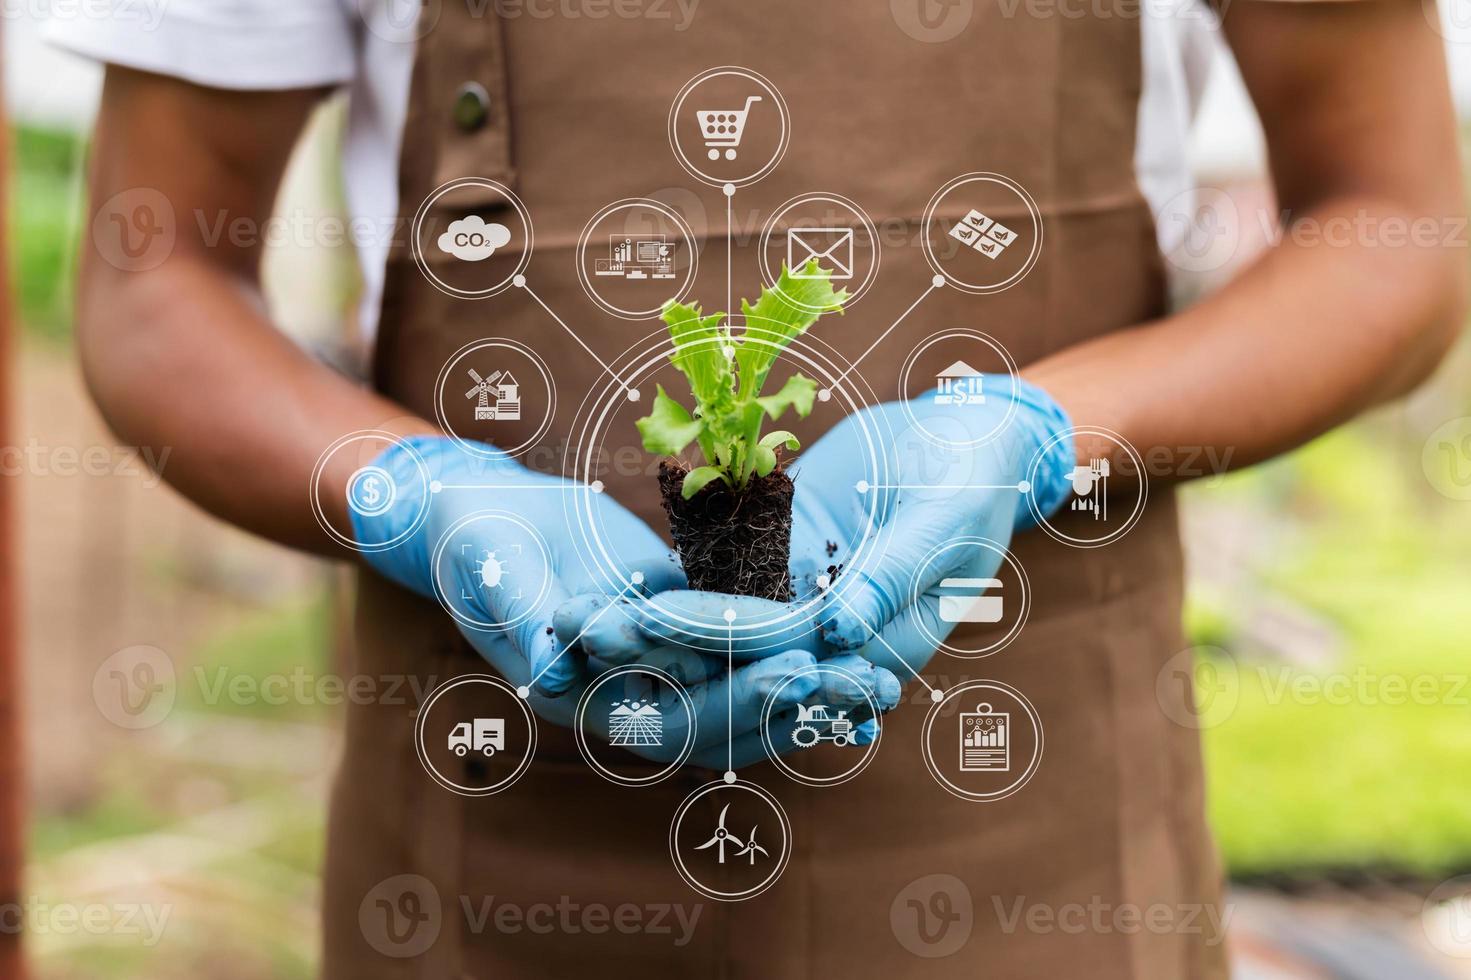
(985, 740)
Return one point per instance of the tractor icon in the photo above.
(811, 722)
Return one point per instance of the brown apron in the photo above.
(1110, 830)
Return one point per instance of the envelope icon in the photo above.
(832, 247)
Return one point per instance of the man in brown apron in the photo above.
(1102, 866)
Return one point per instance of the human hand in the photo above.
(761, 643)
(881, 493)
(495, 544)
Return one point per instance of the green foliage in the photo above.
(727, 374)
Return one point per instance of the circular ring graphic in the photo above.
(492, 571)
(980, 688)
(421, 469)
(446, 781)
(778, 866)
(690, 730)
(628, 204)
(594, 418)
(1011, 372)
(422, 260)
(481, 449)
(983, 289)
(727, 129)
(869, 228)
(1134, 515)
(816, 735)
(1025, 598)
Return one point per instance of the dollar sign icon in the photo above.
(370, 491)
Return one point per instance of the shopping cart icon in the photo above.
(722, 128)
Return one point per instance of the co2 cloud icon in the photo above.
(471, 239)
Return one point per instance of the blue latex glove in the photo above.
(964, 485)
(512, 571)
(550, 595)
(684, 623)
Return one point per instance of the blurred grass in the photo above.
(44, 201)
(1371, 774)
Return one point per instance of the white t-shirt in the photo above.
(368, 46)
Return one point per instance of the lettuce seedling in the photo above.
(727, 374)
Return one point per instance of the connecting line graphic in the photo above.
(636, 579)
(729, 249)
(863, 486)
(729, 694)
(934, 693)
(935, 284)
(629, 391)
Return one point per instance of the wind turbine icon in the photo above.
(721, 837)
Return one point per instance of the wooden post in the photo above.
(12, 809)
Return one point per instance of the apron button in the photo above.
(472, 107)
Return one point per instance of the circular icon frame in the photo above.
(422, 260)
(1016, 785)
(699, 886)
(927, 224)
(764, 246)
(1042, 520)
(579, 730)
(486, 450)
(966, 334)
(436, 570)
(1007, 559)
(421, 469)
(870, 751)
(776, 97)
(422, 719)
(674, 217)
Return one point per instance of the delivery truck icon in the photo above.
(487, 735)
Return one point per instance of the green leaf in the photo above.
(668, 428)
(765, 461)
(798, 393)
(697, 479)
(783, 313)
(773, 439)
(701, 351)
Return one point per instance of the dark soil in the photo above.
(734, 543)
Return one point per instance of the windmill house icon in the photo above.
(500, 386)
(960, 384)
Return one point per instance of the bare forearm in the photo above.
(1312, 334)
(244, 413)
